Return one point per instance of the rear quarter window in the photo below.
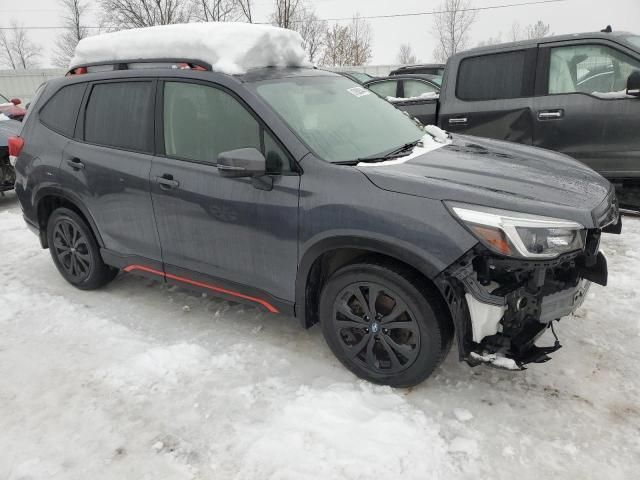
(492, 77)
(61, 110)
(120, 115)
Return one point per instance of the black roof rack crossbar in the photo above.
(124, 64)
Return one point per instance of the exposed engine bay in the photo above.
(501, 306)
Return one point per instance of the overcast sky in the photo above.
(570, 16)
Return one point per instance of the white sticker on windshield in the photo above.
(358, 91)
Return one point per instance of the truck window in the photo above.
(492, 77)
(591, 69)
(415, 88)
(385, 89)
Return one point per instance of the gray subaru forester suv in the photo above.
(296, 190)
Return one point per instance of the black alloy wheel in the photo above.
(384, 322)
(71, 248)
(75, 251)
(376, 327)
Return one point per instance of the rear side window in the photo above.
(415, 88)
(121, 115)
(492, 77)
(61, 111)
(385, 89)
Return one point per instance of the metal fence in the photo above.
(23, 84)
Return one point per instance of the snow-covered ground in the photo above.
(142, 381)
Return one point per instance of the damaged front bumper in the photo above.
(501, 306)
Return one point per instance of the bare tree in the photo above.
(452, 26)
(246, 7)
(144, 13)
(515, 34)
(72, 21)
(286, 13)
(348, 44)
(17, 51)
(313, 31)
(406, 55)
(6, 51)
(491, 40)
(216, 10)
(360, 40)
(337, 46)
(537, 30)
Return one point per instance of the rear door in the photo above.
(492, 95)
(582, 109)
(235, 234)
(107, 167)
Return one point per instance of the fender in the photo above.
(72, 198)
(373, 245)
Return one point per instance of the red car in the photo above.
(11, 109)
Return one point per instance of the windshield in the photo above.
(633, 40)
(338, 119)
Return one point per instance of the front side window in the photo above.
(337, 120)
(492, 77)
(415, 88)
(385, 89)
(120, 115)
(591, 69)
(61, 110)
(200, 122)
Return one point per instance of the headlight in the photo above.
(519, 234)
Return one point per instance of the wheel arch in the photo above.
(48, 199)
(320, 260)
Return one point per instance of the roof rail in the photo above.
(140, 63)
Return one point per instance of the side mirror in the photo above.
(633, 84)
(16, 101)
(244, 162)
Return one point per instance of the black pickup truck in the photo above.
(576, 94)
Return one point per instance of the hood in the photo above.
(501, 175)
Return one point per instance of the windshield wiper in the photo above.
(399, 152)
(371, 159)
(407, 147)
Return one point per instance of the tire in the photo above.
(410, 322)
(75, 251)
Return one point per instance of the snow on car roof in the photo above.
(232, 48)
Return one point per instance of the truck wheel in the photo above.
(75, 251)
(381, 323)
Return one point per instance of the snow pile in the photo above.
(424, 96)
(438, 134)
(121, 383)
(612, 95)
(232, 48)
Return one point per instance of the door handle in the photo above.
(167, 182)
(551, 114)
(75, 163)
(458, 121)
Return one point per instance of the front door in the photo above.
(584, 110)
(239, 235)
